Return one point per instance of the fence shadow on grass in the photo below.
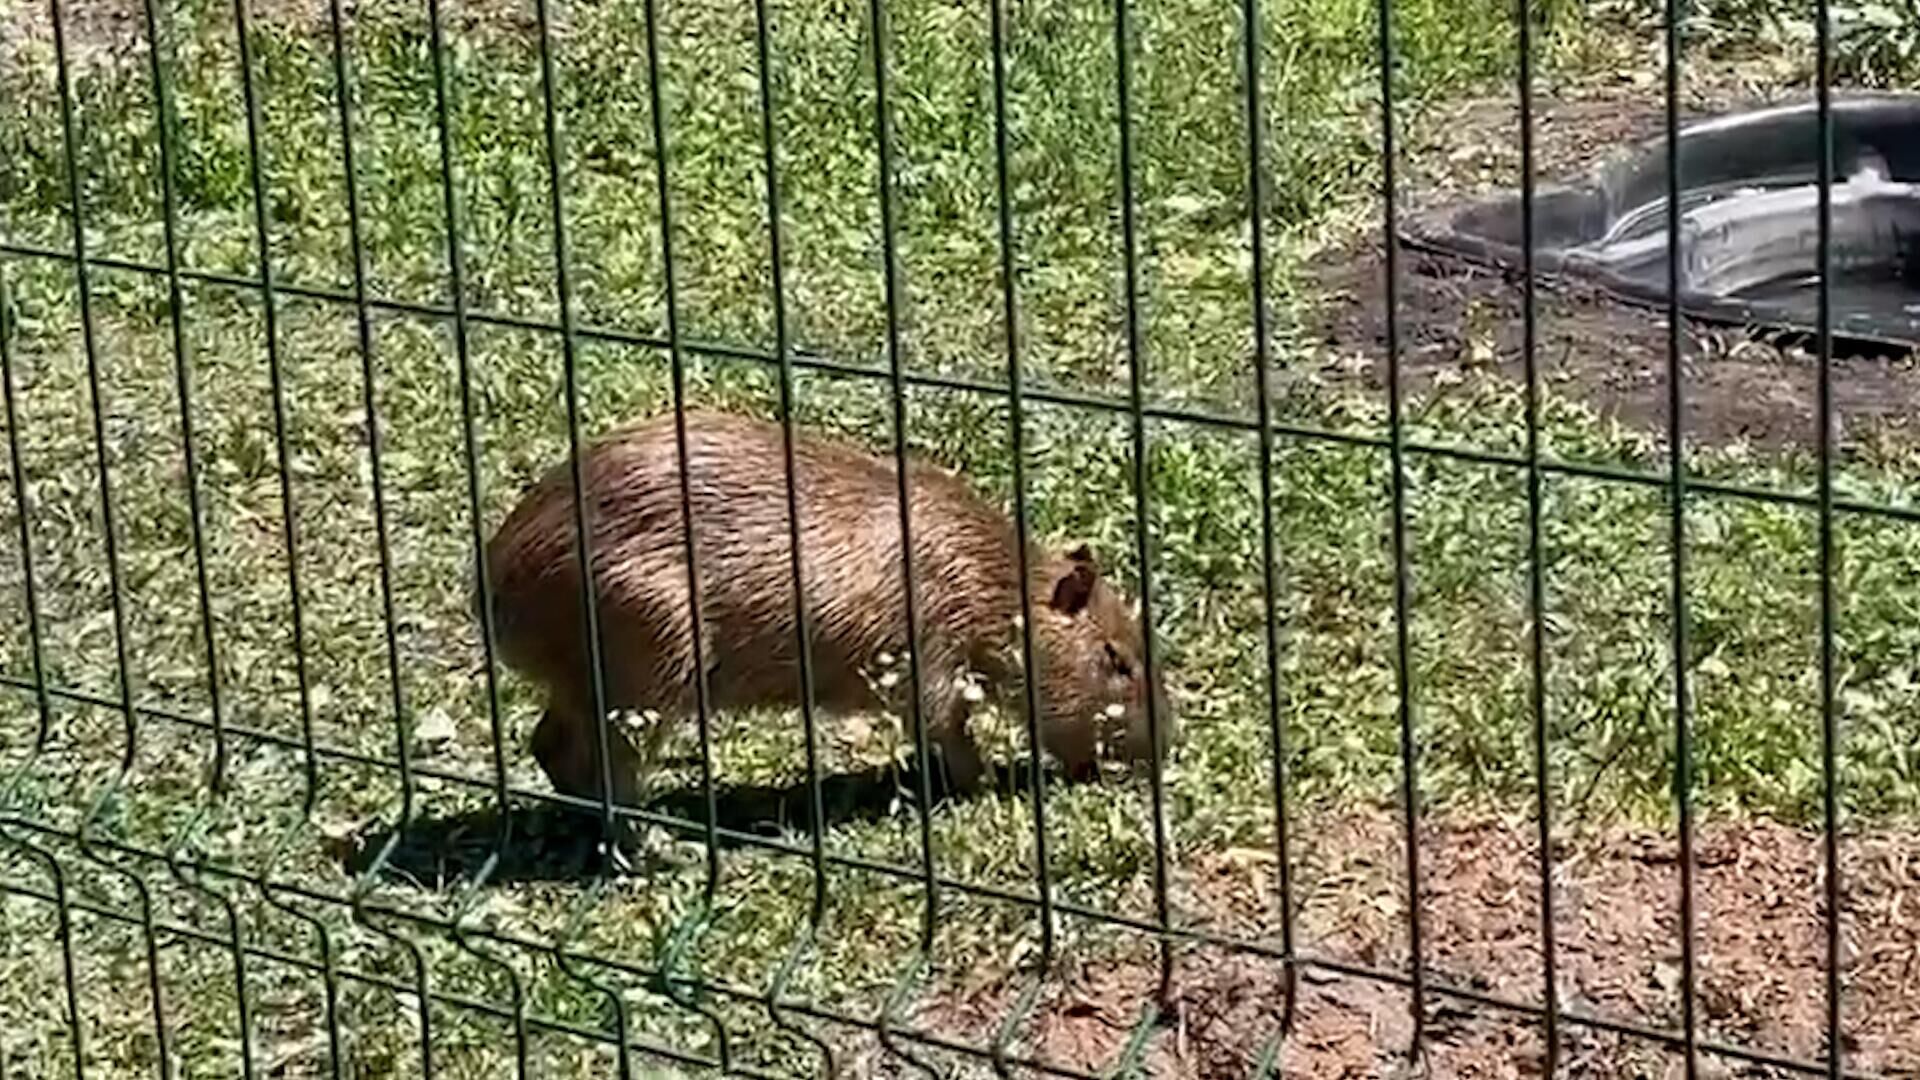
(552, 842)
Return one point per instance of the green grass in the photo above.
(1753, 583)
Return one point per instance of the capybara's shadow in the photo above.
(549, 841)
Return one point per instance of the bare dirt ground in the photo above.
(1458, 319)
(1760, 969)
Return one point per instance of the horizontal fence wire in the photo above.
(46, 843)
(1306, 960)
(660, 1050)
(1214, 418)
(1180, 934)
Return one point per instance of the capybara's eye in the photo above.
(1119, 663)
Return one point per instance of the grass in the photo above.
(1753, 583)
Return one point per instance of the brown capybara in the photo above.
(1086, 640)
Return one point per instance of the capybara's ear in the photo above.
(1074, 588)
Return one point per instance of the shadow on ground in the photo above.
(548, 841)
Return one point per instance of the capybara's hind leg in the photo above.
(566, 743)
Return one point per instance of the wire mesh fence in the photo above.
(267, 397)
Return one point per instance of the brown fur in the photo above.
(1086, 639)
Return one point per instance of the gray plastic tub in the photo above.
(1749, 221)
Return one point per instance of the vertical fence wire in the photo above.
(1044, 913)
(1536, 554)
(998, 42)
(880, 32)
(702, 691)
(29, 579)
(402, 733)
(43, 701)
(803, 638)
(567, 960)
(276, 375)
(782, 337)
(63, 925)
(1269, 558)
(583, 492)
(1142, 473)
(796, 556)
(63, 934)
(470, 452)
(370, 410)
(897, 399)
(1677, 530)
(776, 258)
(183, 386)
(453, 226)
(272, 891)
(1829, 723)
(269, 299)
(183, 389)
(460, 930)
(459, 927)
(582, 523)
(1402, 572)
(903, 480)
(130, 724)
(676, 355)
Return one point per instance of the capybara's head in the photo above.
(1093, 678)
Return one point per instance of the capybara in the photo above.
(1086, 637)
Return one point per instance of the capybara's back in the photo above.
(849, 526)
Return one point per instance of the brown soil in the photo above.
(1760, 973)
(1458, 320)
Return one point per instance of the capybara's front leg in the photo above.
(958, 752)
(566, 743)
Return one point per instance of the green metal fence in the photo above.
(67, 842)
